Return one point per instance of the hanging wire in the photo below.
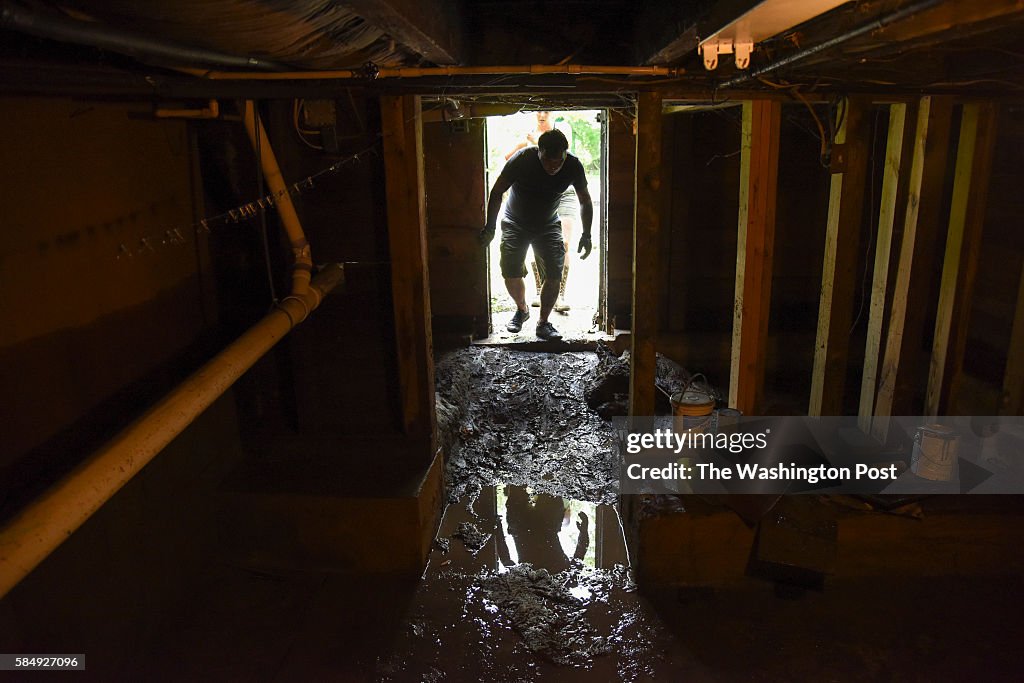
(793, 91)
(239, 214)
(297, 107)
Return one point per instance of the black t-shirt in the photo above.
(533, 199)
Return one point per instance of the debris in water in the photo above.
(545, 610)
(471, 537)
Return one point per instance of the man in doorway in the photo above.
(568, 208)
(537, 177)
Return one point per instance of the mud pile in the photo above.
(521, 417)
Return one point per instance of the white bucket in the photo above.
(935, 448)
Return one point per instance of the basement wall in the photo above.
(701, 174)
(702, 171)
(88, 341)
(999, 271)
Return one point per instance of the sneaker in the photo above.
(547, 331)
(516, 323)
(561, 307)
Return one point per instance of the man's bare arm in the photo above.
(501, 186)
(587, 214)
(586, 207)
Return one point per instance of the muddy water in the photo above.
(529, 575)
(548, 595)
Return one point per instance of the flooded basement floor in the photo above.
(529, 576)
(527, 586)
(529, 579)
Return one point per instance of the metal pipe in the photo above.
(898, 15)
(66, 29)
(303, 265)
(417, 72)
(49, 520)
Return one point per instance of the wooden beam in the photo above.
(407, 236)
(894, 187)
(664, 32)
(646, 255)
(963, 246)
(1012, 400)
(432, 28)
(840, 273)
(621, 203)
(920, 231)
(759, 165)
(953, 18)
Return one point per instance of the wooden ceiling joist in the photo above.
(664, 32)
(432, 28)
(950, 20)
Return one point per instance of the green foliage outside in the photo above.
(586, 139)
(505, 132)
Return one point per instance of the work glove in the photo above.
(486, 235)
(585, 245)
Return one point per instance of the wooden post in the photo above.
(621, 203)
(963, 245)
(646, 254)
(840, 274)
(759, 165)
(920, 231)
(893, 194)
(407, 235)
(1012, 400)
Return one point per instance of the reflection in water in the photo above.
(547, 594)
(545, 531)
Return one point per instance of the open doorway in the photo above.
(578, 312)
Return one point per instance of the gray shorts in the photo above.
(548, 248)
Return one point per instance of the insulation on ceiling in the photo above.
(310, 34)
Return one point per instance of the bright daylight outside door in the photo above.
(582, 292)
